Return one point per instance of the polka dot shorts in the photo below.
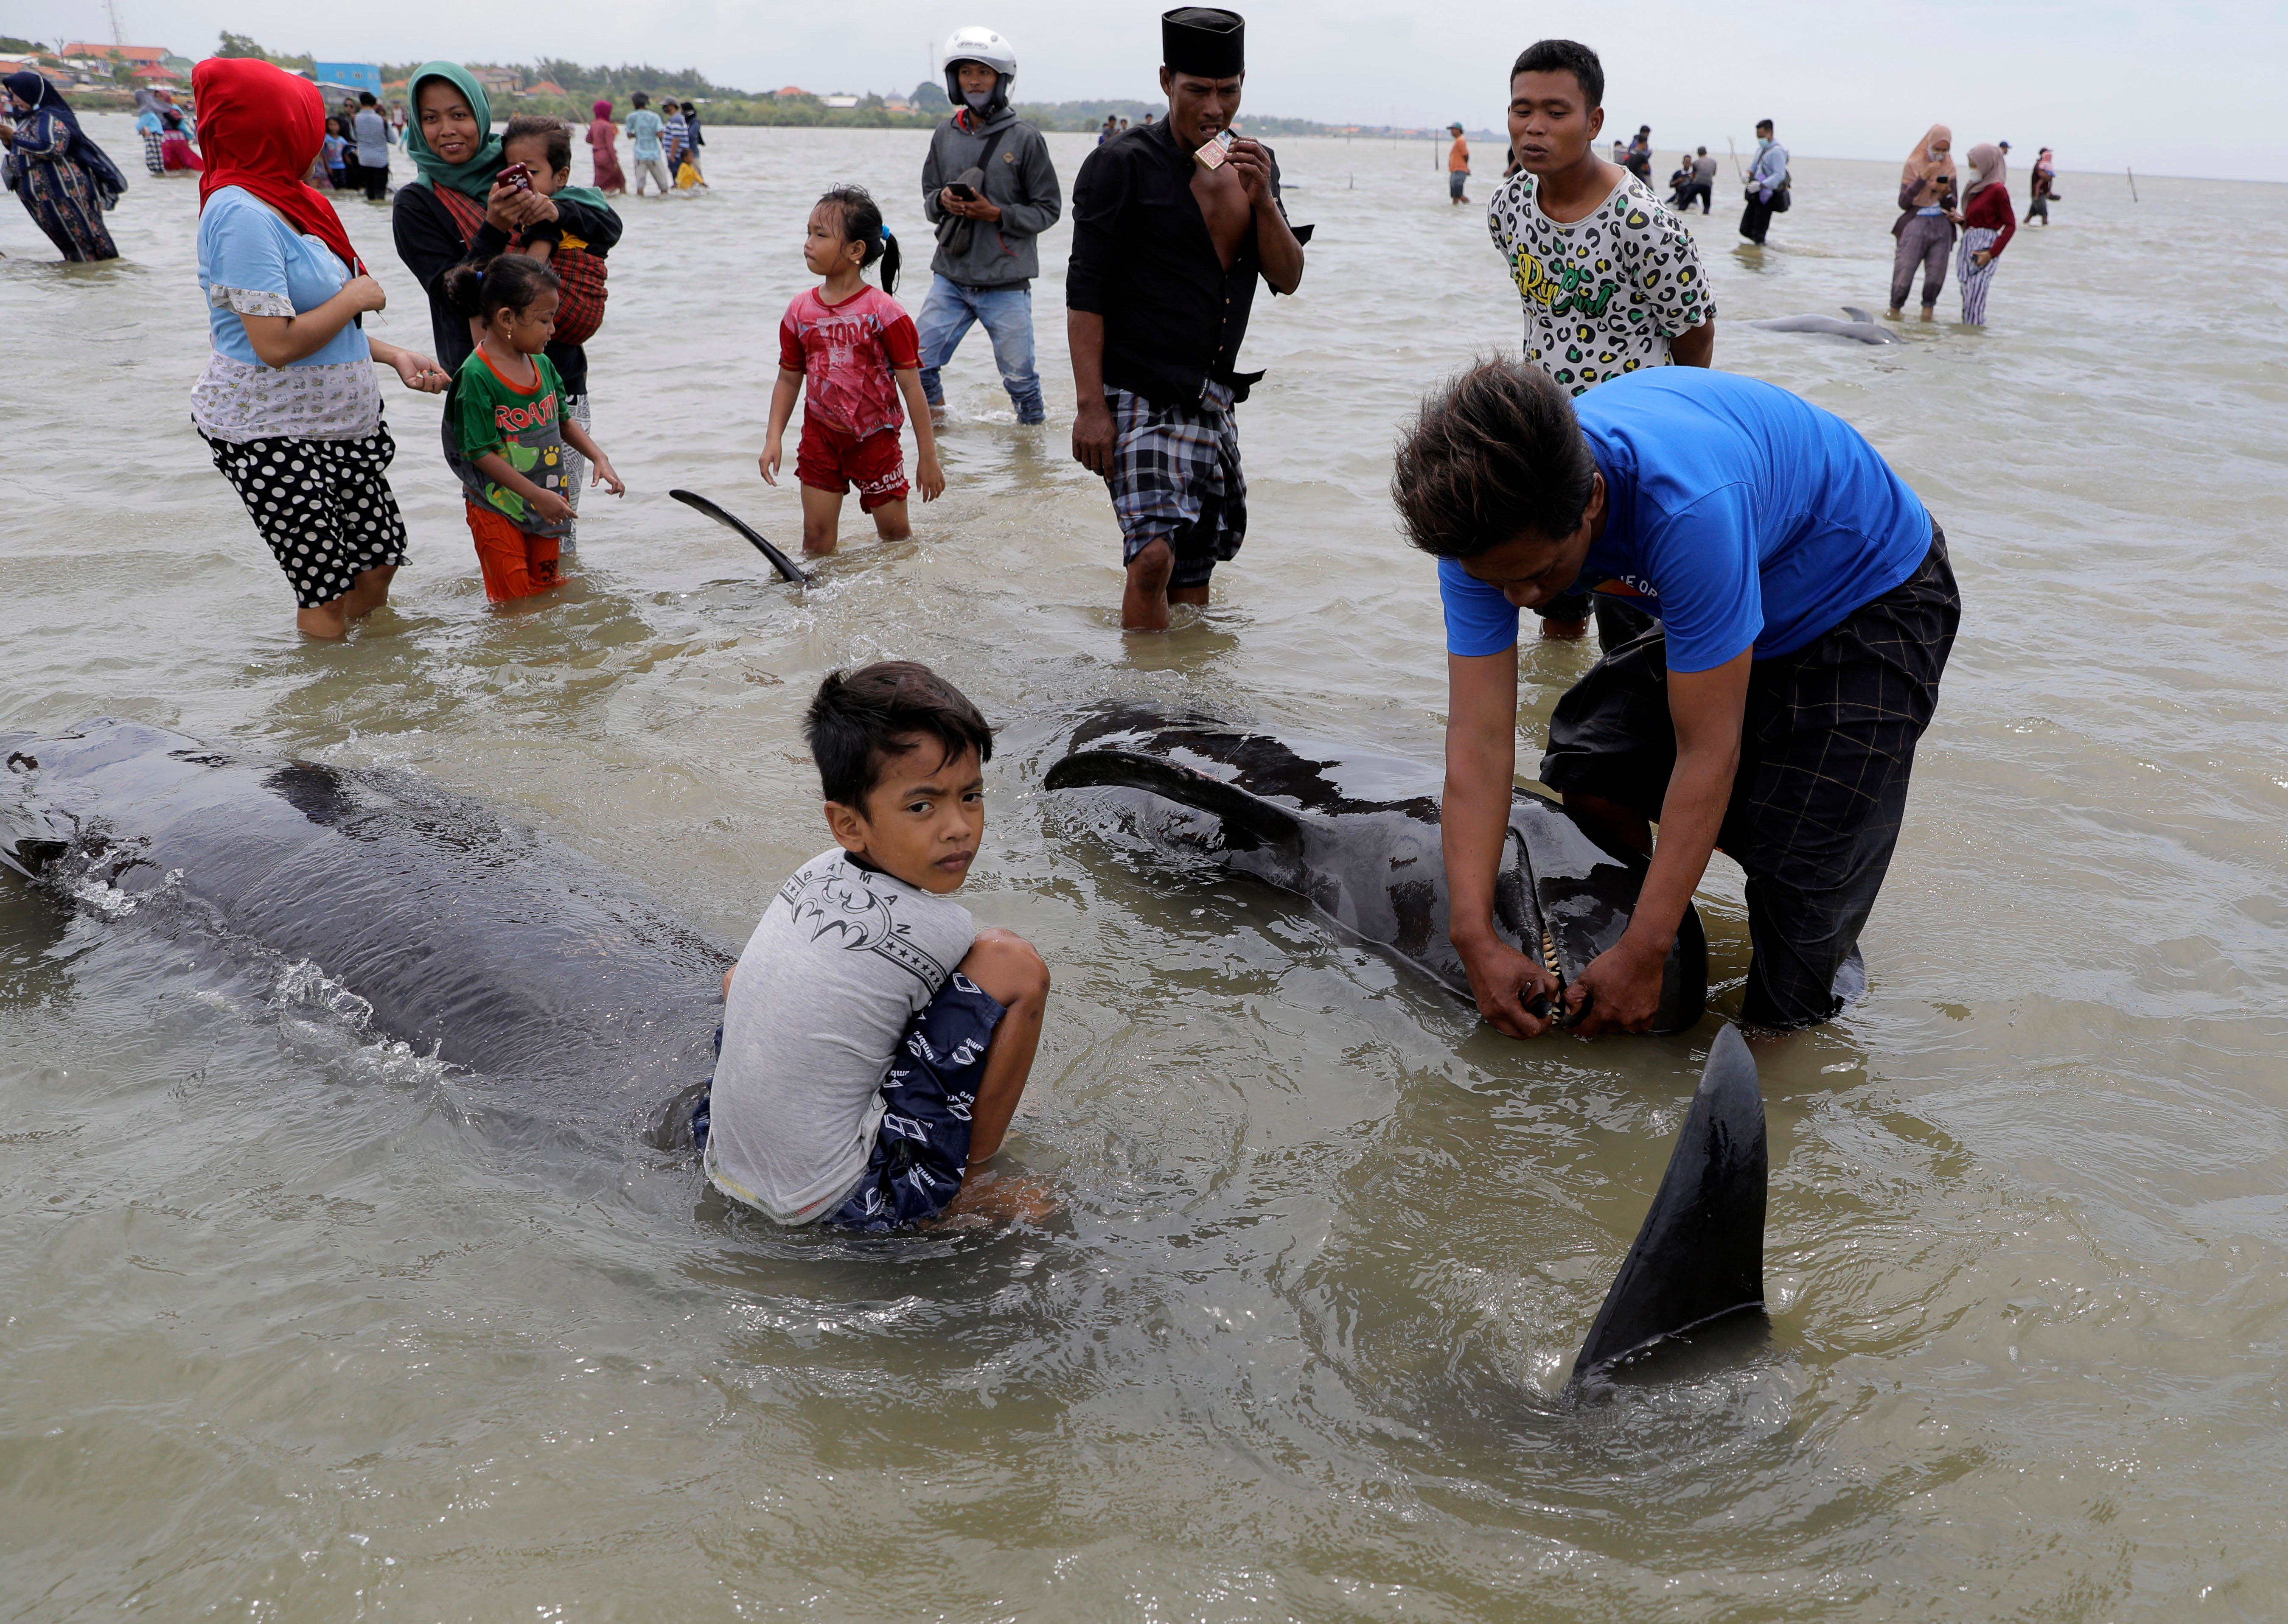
(323, 505)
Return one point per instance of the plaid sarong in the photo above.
(1176, 478)
(1825, 751)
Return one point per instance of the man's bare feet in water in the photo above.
(1007, 1198)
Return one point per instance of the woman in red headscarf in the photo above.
(288, 403)
(604, 143)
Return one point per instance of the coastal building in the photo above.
(145, 55)
(347, 76)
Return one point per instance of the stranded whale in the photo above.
(499, 950)
(1356, 835)
(1862, 326)
(518, 958)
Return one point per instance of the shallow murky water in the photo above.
(292, 1327)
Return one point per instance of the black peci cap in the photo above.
(1203, 40)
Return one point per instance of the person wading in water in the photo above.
(1156, 308)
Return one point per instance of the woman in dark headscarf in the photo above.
(65, 179)
(603, 141)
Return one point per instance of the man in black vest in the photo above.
(1172, 223)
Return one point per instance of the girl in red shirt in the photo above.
(850, 352)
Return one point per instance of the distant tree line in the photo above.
(724, 104)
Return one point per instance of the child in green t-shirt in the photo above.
(506, 427)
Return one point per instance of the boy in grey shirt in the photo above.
(875, 1041)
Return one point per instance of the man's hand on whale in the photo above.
(1620, 991)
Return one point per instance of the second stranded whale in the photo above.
(1356, 835)
(567, 990)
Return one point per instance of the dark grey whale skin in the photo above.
(1698, 1261)
(1357, 834)
(1357, 837)
(502, 951)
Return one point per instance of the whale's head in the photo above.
(53, 784)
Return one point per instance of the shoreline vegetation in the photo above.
(567, 90)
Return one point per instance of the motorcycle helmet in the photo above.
(979, 45)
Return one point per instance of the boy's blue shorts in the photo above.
(922, 1149)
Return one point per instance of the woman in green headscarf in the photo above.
(459, 211)
(454, 212)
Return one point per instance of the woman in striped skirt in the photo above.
(1988, 225)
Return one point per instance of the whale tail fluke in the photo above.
(1699, 1258)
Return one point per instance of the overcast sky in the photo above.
(2188, 91)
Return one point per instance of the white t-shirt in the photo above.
(1604, 294)
(845, 956)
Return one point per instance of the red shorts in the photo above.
(515, 564)
(830, 460)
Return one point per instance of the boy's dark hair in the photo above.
(861, 223)
(640, 98)
(526, 125)
(1565, 56)
(1496, 454)
(365, 98)
(507, 281)
(856, 723)
(1764, 123)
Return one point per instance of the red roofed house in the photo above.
(545, 87)
(151, 55)
(791, 90)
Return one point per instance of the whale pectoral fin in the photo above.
(1699, 1257)
(1248, 814)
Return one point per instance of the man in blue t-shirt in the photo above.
(1806, 609)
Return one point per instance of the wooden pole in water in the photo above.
(2133, 184)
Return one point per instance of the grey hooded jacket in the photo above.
(1021, 182)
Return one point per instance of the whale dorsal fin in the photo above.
(1858, 314)
(1700, 1255)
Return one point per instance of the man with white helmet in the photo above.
(989, 189)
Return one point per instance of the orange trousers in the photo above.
(515, 564)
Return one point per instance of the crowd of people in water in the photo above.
(1774, 605)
